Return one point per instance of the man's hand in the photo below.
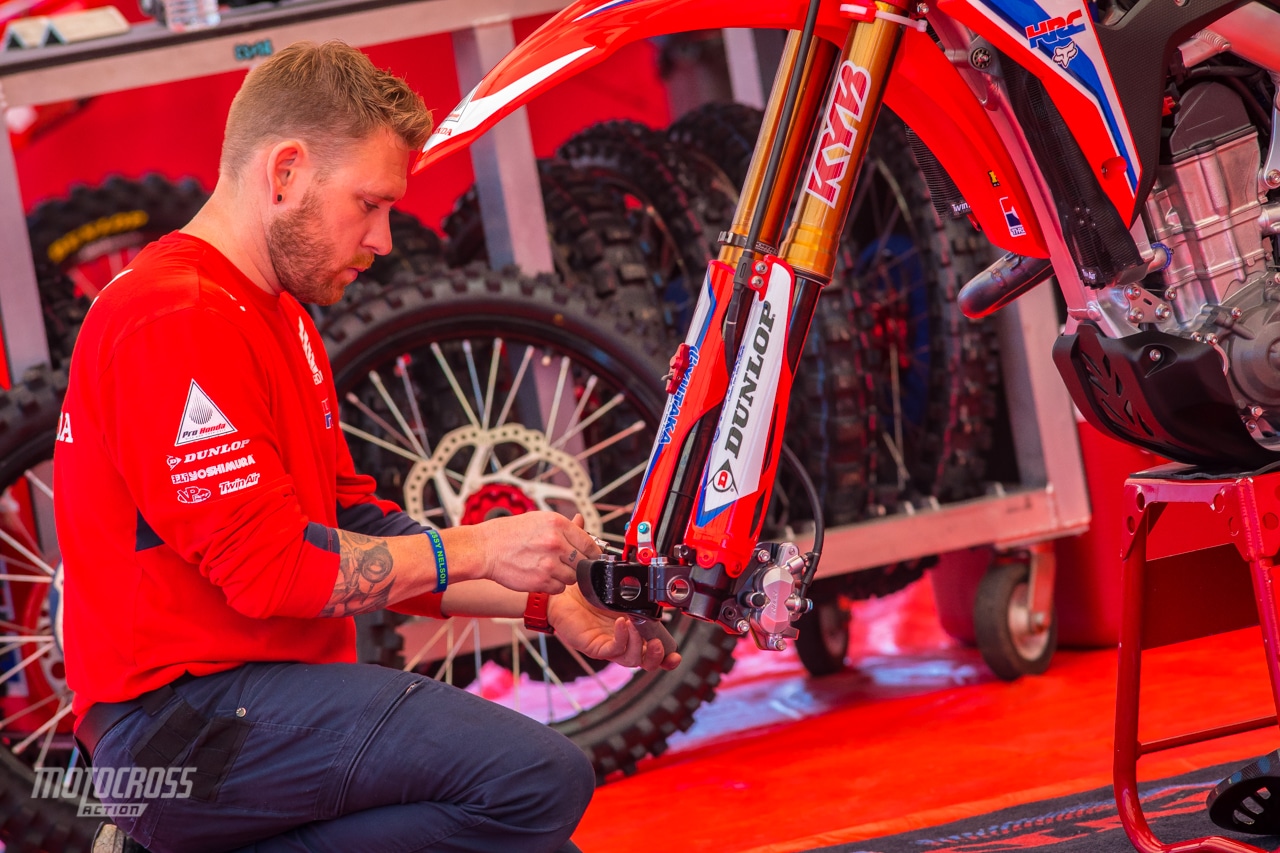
(604, 635)
(535, 551)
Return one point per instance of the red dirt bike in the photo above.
(1128, 150)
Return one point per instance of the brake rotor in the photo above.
(539, 475)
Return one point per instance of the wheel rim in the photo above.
(36, 707)
(471, 423)
(890, 280)
(1031, 645)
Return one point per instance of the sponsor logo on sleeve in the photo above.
(316, 375)
(194, 495)
(172, 460)
(64, 428)
(214, 470)
(228, 486)
(328, 415)
(201, 418)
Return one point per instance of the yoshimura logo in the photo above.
(214, 470)
(316, 375)
(844, 113)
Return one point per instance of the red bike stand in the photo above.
(1198, 557)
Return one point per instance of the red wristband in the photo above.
(535, 613)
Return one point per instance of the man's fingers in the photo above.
(582, 542)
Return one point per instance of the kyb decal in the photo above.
(201, 419)
(194, 495)
(839, 130)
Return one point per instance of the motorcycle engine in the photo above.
(1210, 218)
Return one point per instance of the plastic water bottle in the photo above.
(183, 15)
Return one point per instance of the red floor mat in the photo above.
(917, 734)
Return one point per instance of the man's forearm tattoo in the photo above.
(364, 576)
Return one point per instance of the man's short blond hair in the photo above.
(326, 95)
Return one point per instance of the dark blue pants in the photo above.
(350, 757)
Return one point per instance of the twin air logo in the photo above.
(328, 416)
(229, 486)
(1011, 218)
(316, 376)
(742, 435)
(1053, 32)
(831, 163)
(64, 428)
(201, 419)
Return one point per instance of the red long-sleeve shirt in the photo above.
(200, 476)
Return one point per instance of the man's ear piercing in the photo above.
(279, 198)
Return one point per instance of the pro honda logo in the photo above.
(839, 130)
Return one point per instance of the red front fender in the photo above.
(925, 90)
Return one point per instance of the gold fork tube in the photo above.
(816, 71)
(840, 146)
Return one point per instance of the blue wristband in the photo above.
(442, 567)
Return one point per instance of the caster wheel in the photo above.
(1009, 645)
(823, 642)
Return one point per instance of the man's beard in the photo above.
(304, 258)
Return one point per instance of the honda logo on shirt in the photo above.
(201, 418)
(316, 376)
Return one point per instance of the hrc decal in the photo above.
(839, 130)
(1055, 31)
(1061, 34)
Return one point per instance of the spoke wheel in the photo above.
(473, 393)
(935, 373)
(36, 705)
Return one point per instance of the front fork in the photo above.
(693, 542)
